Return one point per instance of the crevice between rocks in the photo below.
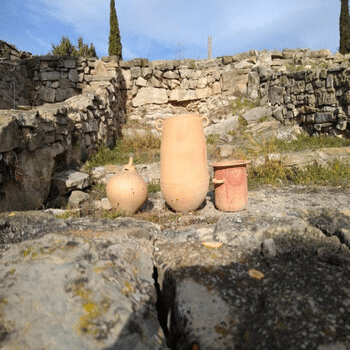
(161, 307)
(168, 317)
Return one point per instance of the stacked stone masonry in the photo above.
(307, 87)
(56, 111)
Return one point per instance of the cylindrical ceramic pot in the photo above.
(184, 175)
(126, 190)
(230, 182)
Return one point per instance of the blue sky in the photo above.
(172, 29)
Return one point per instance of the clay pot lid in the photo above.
(229, 163)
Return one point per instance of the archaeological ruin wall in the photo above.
(56, 111)
(310, 88)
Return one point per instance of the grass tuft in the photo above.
(277, 173)
(144, 149)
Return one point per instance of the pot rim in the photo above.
(230, 163)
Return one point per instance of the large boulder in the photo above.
(81, 291)
(30, 183)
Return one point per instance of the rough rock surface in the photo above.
(84, 289)
(273, 276)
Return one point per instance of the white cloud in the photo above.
(150, 25)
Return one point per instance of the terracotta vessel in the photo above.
(230, 181)
(184, 175)
(126, 190)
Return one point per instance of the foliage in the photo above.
(247, 145)
(153, 187)
(344, 28)
(275, 172)
(115, 46)
(66, 48)
(144, 149)
(241, 105)
(212, 139)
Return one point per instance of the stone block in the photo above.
(50, 75)
(319, 127)
(125, 64)
(73, 75)
(91, 126)
(216, 88)
(324, 117)
(135, 72)
(227, 80)
(256, 113)
(253, 85)
(202, 83)
(227, 59)
(76, 198)
(276, 95)
(97, 78)
(202, 93)
(101, 68)
(182, 95)
(67, 180)
(185, 73)
(64, 94)
(9, 134)
(64, 83)
(155, 82)
(147, 95)
(141, 82)
(70, 63)
(126, 81)
(226, 150)
(146, 72)
(223, 127)
(34, 140)
(47, 94)
(171, 75)
(342, 124)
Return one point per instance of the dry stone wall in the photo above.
(55, 111)
(38, 80)
(38, 138)
(307, 87)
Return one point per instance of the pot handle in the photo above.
(218, 182)
(205, 120)
(159, 128)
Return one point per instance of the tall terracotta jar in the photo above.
(231, 185)
(184, 175)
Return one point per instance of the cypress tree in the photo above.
(115, 46)
(344, 28)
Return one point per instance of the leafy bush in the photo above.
(66, 48)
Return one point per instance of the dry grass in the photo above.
(144, 149)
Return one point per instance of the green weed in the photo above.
(304, 142)
(277, 173)
(145, 149)
(212, 139)
(243, 104)
(151, 188)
